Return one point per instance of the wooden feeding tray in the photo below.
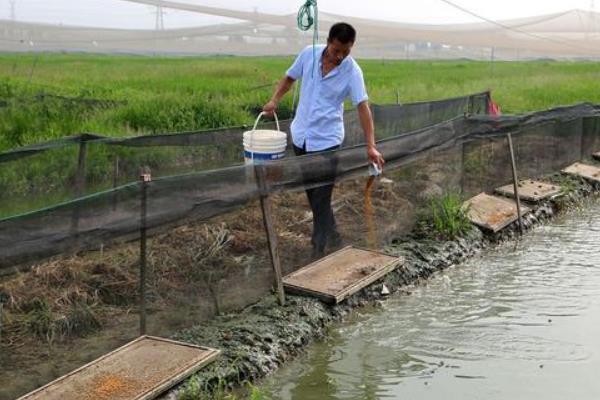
(586, 171)
(530, 190)
(596, 155)
(140, 370)
(340, 274)
(491, 212)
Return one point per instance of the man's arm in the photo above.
(366, 121)
(282, 88)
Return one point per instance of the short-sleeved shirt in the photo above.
(319, 123)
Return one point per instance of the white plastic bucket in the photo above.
(264, 145)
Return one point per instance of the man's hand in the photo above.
(270, 108)
(366, 121)
(375, 157)
(283, 87)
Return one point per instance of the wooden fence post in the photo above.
(265, 205)
(515, 182)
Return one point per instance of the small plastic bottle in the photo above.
(374, 170)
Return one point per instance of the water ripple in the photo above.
(530, 309)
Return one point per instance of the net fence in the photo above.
(207, 253)
(94, 179)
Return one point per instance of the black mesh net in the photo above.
(207, 250)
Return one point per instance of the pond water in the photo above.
(518, 322)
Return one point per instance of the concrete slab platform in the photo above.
(340, 274)
(491, 212)
(586, 171)
(530, 190)
(140, 370)
(596, 155)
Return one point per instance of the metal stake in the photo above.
(3, 298)
(115, 180)
(145, 178)
(1, 307)
(80, 177)
(515, 182)
(492, 59)
(265, 205)
(79, 186)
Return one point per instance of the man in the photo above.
(329, 76)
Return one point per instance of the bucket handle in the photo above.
(254, 128)
(264, 113)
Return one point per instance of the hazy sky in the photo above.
(122, 14)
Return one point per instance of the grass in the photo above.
(42, 322)
(194, 391)
(50, 96)
(149, 95)
(207, 252)
(445, 217)
(568, 185)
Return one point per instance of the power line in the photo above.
(510, 28)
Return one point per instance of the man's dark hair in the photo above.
(343, 32)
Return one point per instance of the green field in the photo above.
(49, 96)
(150, 95)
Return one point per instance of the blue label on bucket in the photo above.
(263, 156)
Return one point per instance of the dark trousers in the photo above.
(319, 198)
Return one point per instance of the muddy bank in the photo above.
(257, 340)
(68, 311)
